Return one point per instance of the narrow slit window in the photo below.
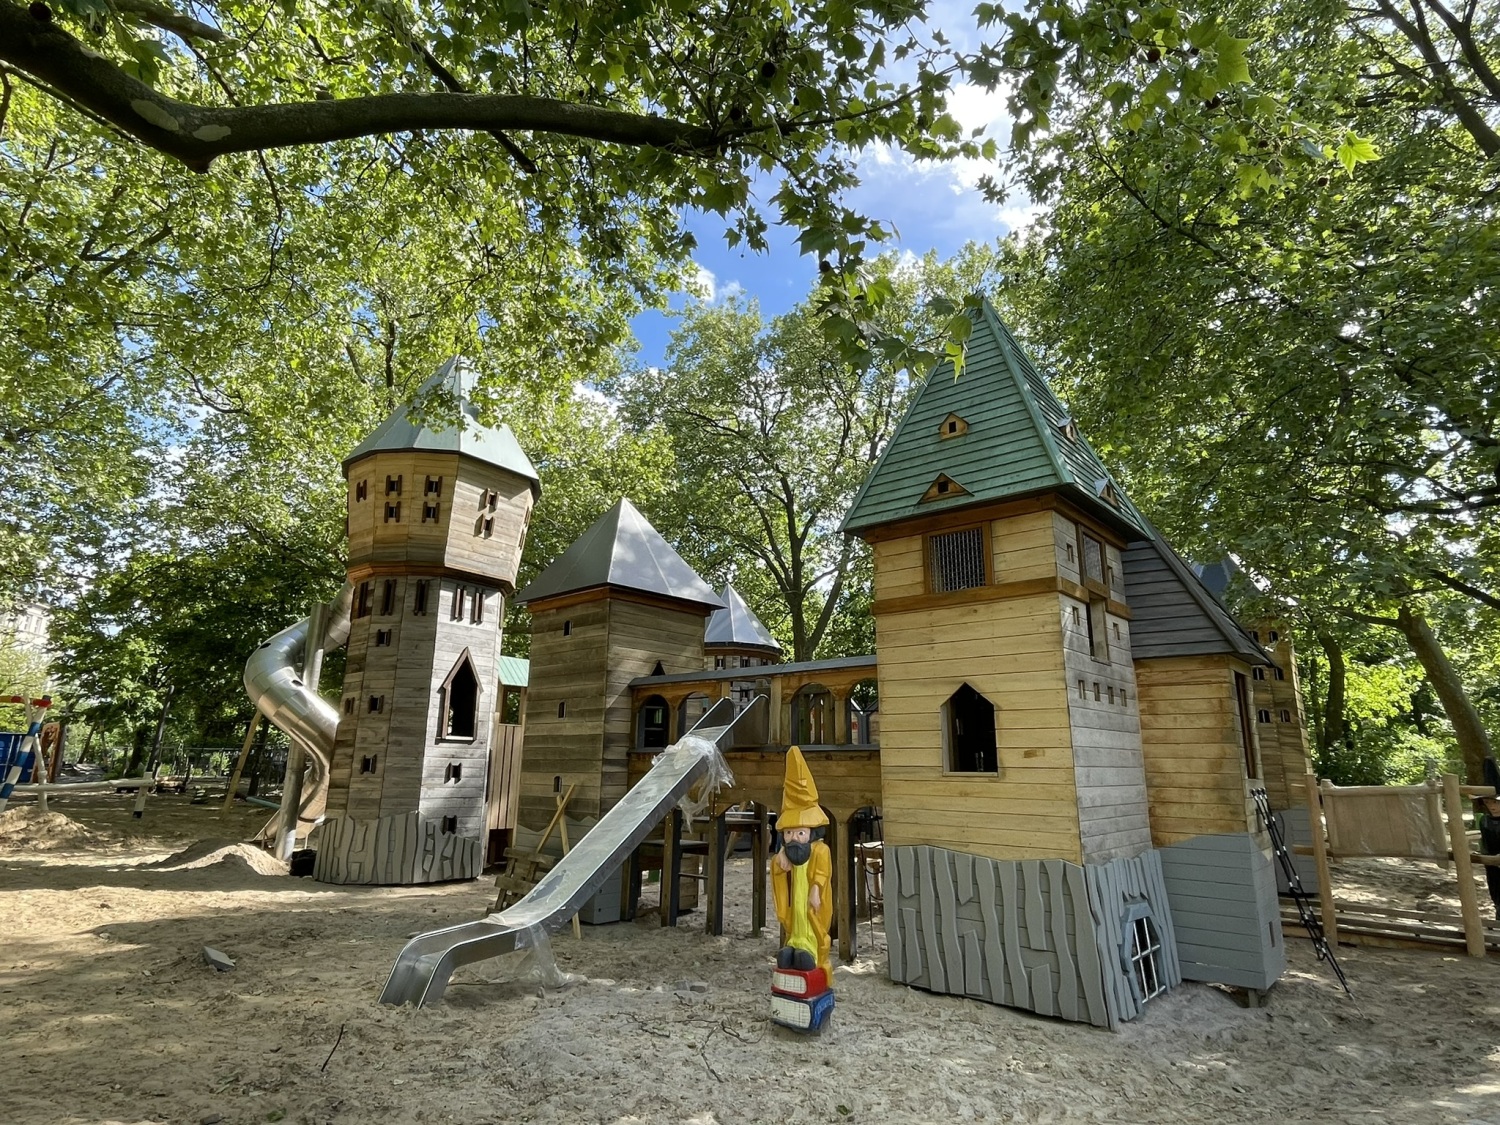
(430, 510)
(567, 628)
(434, 487)
(367, 763)
(419, 599)
(1275, 636)
(388, 597)
(1083, 690)
(393, 486)
(955, 560)
(349, 705)
(459, 597)
(382, 638)
(476, 611)
(450, 825)
(1278, 673)
(377, 704)
(454, 771)
(1286, 715)
(562, 710)
(362, 490)
(363, 600)
(393, 511)
(1263, 715)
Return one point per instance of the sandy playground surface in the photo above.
(111, 1015)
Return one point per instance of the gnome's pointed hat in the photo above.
(799, 796)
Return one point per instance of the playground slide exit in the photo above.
(421, 972)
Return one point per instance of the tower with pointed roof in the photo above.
(618, 604)
(735, 638)
(438, 506)
(1007, 690)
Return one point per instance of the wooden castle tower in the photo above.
(618, 604)
(438, 511)
(1019, 736)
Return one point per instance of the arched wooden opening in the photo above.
(459, 700)
(653, 723)
(969, 733)
(812, 716)
(864, 713)
(692, 708)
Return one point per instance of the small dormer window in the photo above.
(951, 427)
(1068, 428)
(1106, 492)
(944, 488)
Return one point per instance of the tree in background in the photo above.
(772, 432)
(1291, 361)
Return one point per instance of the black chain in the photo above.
(1294, 884)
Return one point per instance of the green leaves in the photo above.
(1354, 150)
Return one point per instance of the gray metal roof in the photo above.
(623, 550)
(736, 626)
(765, 671)
(494, 445)
(1173, 613)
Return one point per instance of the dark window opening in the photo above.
(377, 703)
(461, 701)
(382, 638)
(955, 560)
(476, 610)
(1278, 673)
(567, 628)
(1286, 715)
(1098, 629)
(1247, 736)
(969, 727)
(393, 486)
(393, 512)
(1275, 636)
(454, 771)
(434, 486)
(658, 670)
(718, 663)
(349, 706)
(367, 763)
(1263, 715)
(1142, 955)
(450, 825)
(388, 598)
(1257, 673)
(419, 599)
(459, 594)
(430, 512)
(362, 490)
(363, 600)
(654, 719)
(510, 706)
(562, 710)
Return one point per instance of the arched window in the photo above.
(459, 700)
(812, 716)
(864, 713)
(969, 733)
(653, 723)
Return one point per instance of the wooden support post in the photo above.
(1433, 803)
(843, 882)
(776, 735)
(140, 800)
(239, 766)
(671, 867)
(1463, 868)
(718, 832)
(758, 872)
(1320, 851)
(562, 824)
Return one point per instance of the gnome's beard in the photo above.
(797, 854)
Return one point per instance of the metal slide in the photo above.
(273, 680)
(421, 972)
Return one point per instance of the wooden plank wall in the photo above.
(1190, 737)
(568, 669)
(1283, 743)
(1010, 651)
(1228, 922)
(1029, 934)
(396, 850)
(1104, 719)
(503, 783)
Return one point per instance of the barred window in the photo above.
(1093, 559)
(955, 560)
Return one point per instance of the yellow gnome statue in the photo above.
(802, 872)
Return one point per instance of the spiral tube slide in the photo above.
(273, 680)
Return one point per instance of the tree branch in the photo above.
(183, 26)
(197, 135)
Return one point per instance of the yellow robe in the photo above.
(819, 868)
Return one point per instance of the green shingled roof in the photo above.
(1014, 445)
(459, 433)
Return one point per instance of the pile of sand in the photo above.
(232, 853)
(25, 828)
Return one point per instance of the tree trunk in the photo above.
(161, 726)
(1473, 739)
(137, 752)
(1333, 728)
(256, 757)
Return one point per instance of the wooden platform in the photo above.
(1392, 927)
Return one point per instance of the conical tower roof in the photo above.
(736, 626)
(494, 445)
(622, 549)
(996, 432)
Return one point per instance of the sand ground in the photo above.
(111, 1015)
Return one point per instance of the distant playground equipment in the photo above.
(1398, 821)
(30, 754)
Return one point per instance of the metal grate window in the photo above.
(1145, 959)
(955, 560)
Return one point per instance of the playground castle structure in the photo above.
(1066, 749)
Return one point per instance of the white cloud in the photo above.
(702, 283)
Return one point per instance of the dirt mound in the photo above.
(206, 853)
(24, 828)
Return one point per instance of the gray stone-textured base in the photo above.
(396, 850)
(1296, 830)
(1223, 895)
(1042, 935)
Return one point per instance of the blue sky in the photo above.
(932, 207)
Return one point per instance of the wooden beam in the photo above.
(239, 765)
(1468, 899)
(1320, 850)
